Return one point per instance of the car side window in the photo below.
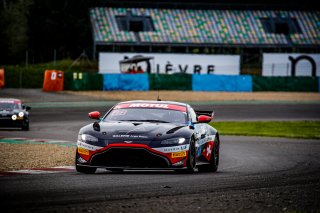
(192, 114)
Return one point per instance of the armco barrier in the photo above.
(222, 83)
(299, 84)
(170, 82)
(125, 82)
(83, 81)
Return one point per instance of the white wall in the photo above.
(279, 64)
(173, 63)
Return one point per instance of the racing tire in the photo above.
(191, 161)
(214, 160)
(25, 127)
(86, 170)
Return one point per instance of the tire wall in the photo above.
(83, 81)
(170, 82)
(33, 78)
(126, 82)
(290, 84)
(222, 83)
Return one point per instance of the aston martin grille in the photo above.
(130, 158)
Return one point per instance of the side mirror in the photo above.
(27, 108)
(204, 119)
(94, 115)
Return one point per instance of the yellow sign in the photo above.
(83, 151)
(179, 154)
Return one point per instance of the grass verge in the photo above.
(287, 129)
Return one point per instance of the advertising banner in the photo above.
(286, 64)
(169, 63)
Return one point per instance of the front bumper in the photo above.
(8, 122)
(131, 156)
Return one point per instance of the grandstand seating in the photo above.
(233, 27)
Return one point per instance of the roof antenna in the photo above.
(158, 84)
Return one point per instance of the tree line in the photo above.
(39, 30)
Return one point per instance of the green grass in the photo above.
(287, 129)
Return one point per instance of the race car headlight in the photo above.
(21, 114)
(14, 117)
(87, 138)
(172, 141)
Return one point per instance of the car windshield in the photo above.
(147, 115)
(9, 106)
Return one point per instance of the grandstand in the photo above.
(209, 27)
(204, 27)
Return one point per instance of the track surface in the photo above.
(63, 123)
(256, 174)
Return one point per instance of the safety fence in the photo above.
(144, 82)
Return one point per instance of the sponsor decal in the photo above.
(88, 146)
(179, 154)
(165, 106)
(173, 63)
(207, 151)
(205, 140)
(151, 105)
(173, 149)
(211, 137)
(83, 151)
(129, 136)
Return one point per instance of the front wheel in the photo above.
(214, 160)
(84, 169)
(25, 127)
(191, 162)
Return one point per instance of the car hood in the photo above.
(136, 130)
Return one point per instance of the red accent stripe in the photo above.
(11, 173)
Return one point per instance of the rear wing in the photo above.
(203, 112)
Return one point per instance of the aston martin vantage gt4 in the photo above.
(150, 135)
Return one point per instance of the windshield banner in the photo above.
(152, 105)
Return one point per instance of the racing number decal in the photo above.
(53, 76)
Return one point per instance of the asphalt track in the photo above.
(256, 174)
(62, 122)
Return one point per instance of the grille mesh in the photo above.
(129, 157)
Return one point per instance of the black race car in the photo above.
(148, 135)
(14, 114)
